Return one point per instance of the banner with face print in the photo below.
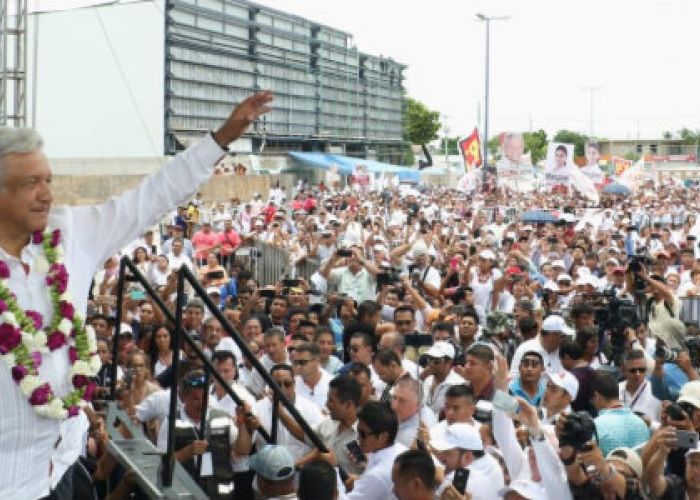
(514, 169)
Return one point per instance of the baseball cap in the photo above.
(551, 286)
(556, 323)
(690, 393)
(628, 457)
(693, 451)
(563, 277)
(613, 261)
(213, 290)
(525, 488)
(441, 350)
(273, 463)
(558, 263)
(459, 435)
(566, 381)
(487, 254)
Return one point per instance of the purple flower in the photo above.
(36, 318)
(3, 306)
(41, 395)
(9, 338)
(55, 237)
(36, 358)
(56, 340)
(66, 309)
(87, 395)
(37, 237)
(19, 372)
(73, 411)
(4, 270)
(72, 354)
(80, 381)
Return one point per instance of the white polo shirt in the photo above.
(642, 400)
(319, 393)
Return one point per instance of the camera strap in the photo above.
(638, 394)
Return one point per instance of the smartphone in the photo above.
(267, 293)
(215, 275)
(687, 439)
(505, 402)
(137, 295)
(344, 252)
(459, 481)
(289, 283)
(356, 452)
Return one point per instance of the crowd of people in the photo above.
(446, 347)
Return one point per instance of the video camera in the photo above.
(669, 355)
(578, 430)
(636, 267)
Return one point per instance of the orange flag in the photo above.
(470, 148)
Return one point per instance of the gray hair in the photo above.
(17, 140)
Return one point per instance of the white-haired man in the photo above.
(37, 450)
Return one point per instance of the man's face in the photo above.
(286, 382)
(405, 322)
(458, 410)
(278, 308)
(392, 299)
(227, 370)
(451, 459)
(514, 148)
(212, 333)
(102, 328)
(560, 158)
(556, 397)
(359, 352)
(305, 365)
(551, 341)
(177, 248)
(467, 328)
(635, 373)
(369, 442)
(476, 369)
(366, 386)
(275, 348)
(531, 369)
(405, 403)
(336, 408)
(25, 194)
(584, 320)
(592, 155)
(387, 373)
(146, 314)
(192, 402)
(103, 351)
(326, 345)
(692, 473)
(193, 318)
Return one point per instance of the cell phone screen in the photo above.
(459, 481)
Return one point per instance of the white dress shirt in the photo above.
(435, 398)
(552, 363)
(375, 482)
(408, 429)
(641, 400)
(319, 393)
(90, 235)
(485, 479)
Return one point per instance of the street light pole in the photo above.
(487, 20)
(591, 94)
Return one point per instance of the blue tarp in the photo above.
(346, 165)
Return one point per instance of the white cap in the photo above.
(525, 488)
(563, 277)
(459, 435)
(693, 451)
(690, 393)
(441, 349)
(487, 254)
(566, 381)
(556, 323)
(527, 228)
(213, 289)
(551, 286)
(559, 263)
(614, 261)
(587, 279)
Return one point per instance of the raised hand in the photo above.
(242, 116)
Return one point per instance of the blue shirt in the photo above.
(618, 427)
(516, 389)
(668, 387)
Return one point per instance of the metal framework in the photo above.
(327, 92)
(13, 63)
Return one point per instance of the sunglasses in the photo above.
(301, 362)
(196, 381)
(286, 383)
(637, 370)
(403, 323)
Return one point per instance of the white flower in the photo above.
(5, 283)
(59, 253)
(56, 409)
(42, 410)
(8, 317)
(29, 383)
(36, 342)
(91, 338)
(66, 297)
(9, 359)
(95, 364)
(41, 265)
(81, 368)
(65, 327)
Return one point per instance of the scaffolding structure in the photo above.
(13, 63)
(328, 93)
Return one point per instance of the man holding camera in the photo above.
(357, 278)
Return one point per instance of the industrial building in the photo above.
(145, 79)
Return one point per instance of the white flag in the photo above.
(583, 184)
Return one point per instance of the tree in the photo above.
(688, 136)
(667, 135)
(571, 137)
(494, 144)
(536, 144)
(422, 126)
(452, 146)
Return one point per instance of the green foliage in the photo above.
(536, 144)
(421, 123)
(493, 146)
(571, 137)
(688, 136)
(631, 155)
(408, 157)
(667, 135)
(452, 146)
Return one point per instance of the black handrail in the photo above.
(184, 274)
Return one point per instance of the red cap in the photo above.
(514, 270)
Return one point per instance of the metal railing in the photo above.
(270, 263)
(179, 335)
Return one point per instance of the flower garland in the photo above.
(23, 337)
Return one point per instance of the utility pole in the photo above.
(591, 94)
(13, 63)
(487, 20)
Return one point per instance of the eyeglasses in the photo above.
(637, 370)
(404, 322)
(285, 383)
(530, 363)
(196, 380)
(301, 362)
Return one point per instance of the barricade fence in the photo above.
(270, 263)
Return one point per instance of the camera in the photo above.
(669, 355)
(578, 430)
(388, 276)
(344, 252)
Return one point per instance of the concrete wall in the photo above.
(88, 189)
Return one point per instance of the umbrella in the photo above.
(617, 189)
(535, 216)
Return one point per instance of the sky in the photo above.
(642, 55)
